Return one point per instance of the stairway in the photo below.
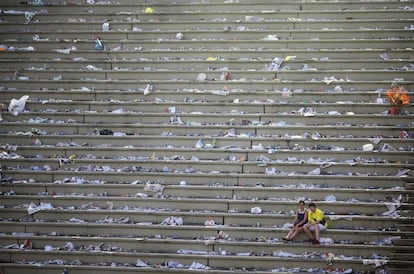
(179, 136)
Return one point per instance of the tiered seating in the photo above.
(186, 143)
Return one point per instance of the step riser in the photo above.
(297, 100)
(266, 221)
(208, 166)
(307, 54)
(212, 31)
(317, 120)
(214, 262)
(205, 7)
(242, 206)
(229, 15)
(225, 45)
(199, 65)
(139, 231)
(176, 191)
(159, 153)
(202, 179)
(193, 85)
(213, 76)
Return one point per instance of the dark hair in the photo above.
(301, 202)
(312, 204)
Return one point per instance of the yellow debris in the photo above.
(212, 58)
(149, 10)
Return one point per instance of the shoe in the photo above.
(286, 239)
(310, 240)
(315, 242)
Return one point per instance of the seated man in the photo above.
(316, 223)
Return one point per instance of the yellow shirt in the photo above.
(316, 216)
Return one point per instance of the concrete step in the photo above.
(213, 261)
(372, 182)
(162, 8)
(203, 54)
(339, 222)
(229, 15)
(192, 64)
(166, 44)
(189, 166)
(82, 269)
(153, 245)
(174, 135)
(237, 76)
(122, 189)
(218, 154)
(189, 142)
(193, 232)
(222, 87)
(38, 105)
(267, 101)
(182, 204)
(224, 118)
(404, 242)
(213, 29)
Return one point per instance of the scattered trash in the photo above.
(29, 15)
(33, 208)
(201, 77)
(149, 10)
(392, 204)
(173, 221)
(275, 65)
(196, 265)
(330, 198)
(141, 263)
(296, 141)
(179, 36)
(66, 51)
(98, 43)
(149, 89)
(18, 105)
(256, 210)
(105, 26)
(153, 187)
(209, 223)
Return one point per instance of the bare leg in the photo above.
(316, 232)
(295, 232)
(287, 237)
(307, 231)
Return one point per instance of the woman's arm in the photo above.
(296, 217)
(305, 219)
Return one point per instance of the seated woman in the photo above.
(316, 223)
(301, 218)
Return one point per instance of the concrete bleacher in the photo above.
(94, 167)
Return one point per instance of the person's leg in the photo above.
(321, 228)
(296, 232)
(292, 232)
(316, 228)
(307, 231)
(287, 237)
